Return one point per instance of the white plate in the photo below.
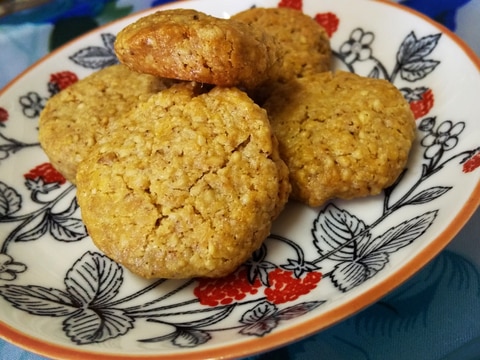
(62, 298)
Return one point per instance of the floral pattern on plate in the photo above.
(339, 250)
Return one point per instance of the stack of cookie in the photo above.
(186, 152)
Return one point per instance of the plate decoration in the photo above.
(342, 249)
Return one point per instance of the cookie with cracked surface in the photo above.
(74, 119)
(303, 45)
(188, 185)
(341, 135)
(190, 45)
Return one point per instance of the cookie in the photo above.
(341, 135)
(304, 45)
(186, 185)
(74, 119)
(190, 45)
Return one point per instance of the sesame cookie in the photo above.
(341, 135)
(304, 45)
(190, 45)
(186, 185)
(74, 119)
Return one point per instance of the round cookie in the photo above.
(304, 45)
(190, 45)
(74, 119)
(341, 135)
(185, 185)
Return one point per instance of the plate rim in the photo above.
(281, 337)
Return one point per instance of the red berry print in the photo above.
(329, 21)
(422, 106)
(47, 173)
(284, 286)
(294, 4)
(3, 115)
(224, 291)
(61, 80)
(472, 163)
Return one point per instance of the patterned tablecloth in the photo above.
(435, 315)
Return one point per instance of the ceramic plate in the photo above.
(62, 298)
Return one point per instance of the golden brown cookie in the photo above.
(186, 185)
(190, 45)
(341, 135)
(74, 119)
(304, 45)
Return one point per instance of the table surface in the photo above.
(438, 320)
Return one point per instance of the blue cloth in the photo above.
(443, 11)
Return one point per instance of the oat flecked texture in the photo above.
(75, 118)
(190, 45)
(303, 46)
(341, 135)
(185, 185)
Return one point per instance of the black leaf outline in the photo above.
(190, 338)
(33, 229)
(347, 275)
(10, 200)
(375, 73)
(260, 319)
(94, 279)
(412, 50)
(336, 233)
(400, 235)
(97, 57)
(87, 326)
(68, 229)
(297, 310)
(64, 227)
(38, 300)
(418, 70)
(183, 337)
(38, 222)
(187, 334)
(265, 316)
(413, 94)
(427, 124)
(372, 256)
(428, 195)
(92, 282)
(109, 41)
(411, 62)
(70, 210)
